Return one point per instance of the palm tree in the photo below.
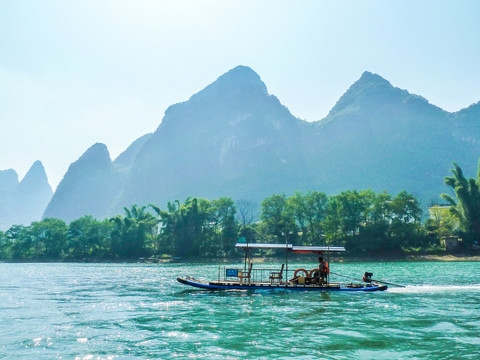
(132, 231)
(467, 206)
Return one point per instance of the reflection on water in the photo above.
(95, 311)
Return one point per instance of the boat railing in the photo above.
(277, 275)
(257, 275)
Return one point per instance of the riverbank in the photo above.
(443, 258)
(280, 259)
(382, 258)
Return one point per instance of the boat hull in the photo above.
(290, 287)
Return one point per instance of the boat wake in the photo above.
(412, 289)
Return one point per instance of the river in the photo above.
(124, 311)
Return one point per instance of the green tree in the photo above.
(406, 207)
(442, 223)
(353, 207)
(19, 243)
(405, 228)
(186, 229)
(249, 232)
(169, 221)
(308, 211)
(89, 238)
(332, 222)
(315, 212)
(131, 233)
(50, 236)
(296, 206)
(467, 205)
(278, 219)
(3, 246)
(381, 209)
(374, 235)
(224, 211)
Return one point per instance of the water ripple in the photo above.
(123, 311)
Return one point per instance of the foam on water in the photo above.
(416, 289)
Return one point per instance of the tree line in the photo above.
(364, 222)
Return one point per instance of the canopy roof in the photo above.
(290, 247)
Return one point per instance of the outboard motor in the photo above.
(367, 277)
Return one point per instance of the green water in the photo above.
(112, 311)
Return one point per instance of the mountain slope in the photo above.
(88, 187)
(383, 137)
(235, 139)
(124, 161)
(33, 193)
(230, 139)
(23, 202)
(92, 184)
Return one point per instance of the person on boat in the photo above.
(323, 270)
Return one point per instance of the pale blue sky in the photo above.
(73, 73)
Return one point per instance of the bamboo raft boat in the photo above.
(283, 278)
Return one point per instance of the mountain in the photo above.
(8, 184)
(88, 187)
(33, 193)
(23, 202)
(124, 162)
(230, 139)
(235, 139)
(92, 183)
(381, 137)
(467, 124)
(8, 180)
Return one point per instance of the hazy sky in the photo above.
(73, 73)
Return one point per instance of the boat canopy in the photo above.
(292, 248)
(317, 249)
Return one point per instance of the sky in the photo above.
(74, 73)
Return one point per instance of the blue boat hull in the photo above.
(232, 286)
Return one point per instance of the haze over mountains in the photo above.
(235, 139)
(25, 201)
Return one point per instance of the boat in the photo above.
(282, 278)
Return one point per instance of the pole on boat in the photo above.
(245, 264)
(246, 251)
(327, 258)
(286, 260)
(381, 282)
(388, 283)
(328, 263)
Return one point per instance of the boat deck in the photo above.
(290, 284)
(271, 285)
(236, 285)
(247, 278)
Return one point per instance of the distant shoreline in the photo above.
(384, 258)
(414, 258)
(445, 257)
(264, 259)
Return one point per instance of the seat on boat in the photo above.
(245, 275)
(277, 275)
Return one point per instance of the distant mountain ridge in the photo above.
(387, 138)
(92, 183)
(235, 139)
(25, 201)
